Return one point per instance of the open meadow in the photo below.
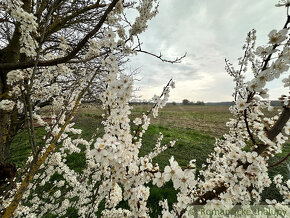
(194, 127)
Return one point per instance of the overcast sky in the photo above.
(209, 31)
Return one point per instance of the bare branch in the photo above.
(281, 161)
(148, 112)
(72, 54)
(160, 56)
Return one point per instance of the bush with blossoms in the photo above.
(236, 173)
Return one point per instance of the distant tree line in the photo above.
(184, 102)
(187, 102)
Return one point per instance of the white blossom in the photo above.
(6, 105)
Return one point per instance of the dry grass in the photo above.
(207, 119)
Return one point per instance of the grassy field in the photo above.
(195, 128)
(206, 119)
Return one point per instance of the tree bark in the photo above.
(4, 139)
(9, 122)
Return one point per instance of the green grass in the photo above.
(207, 119)
(191, 144)
(20, 147)
(272, 192)
(195, 128)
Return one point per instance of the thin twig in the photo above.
(281, 161)
(248, 128)
(148, 112)
(160, 56)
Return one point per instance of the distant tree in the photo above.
(199, 103)
(185, 102)
(174, 103)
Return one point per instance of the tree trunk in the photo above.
(9, 120)
(10, 123)
(4, 132)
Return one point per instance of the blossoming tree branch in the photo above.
(53, 53)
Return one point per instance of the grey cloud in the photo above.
(209, 31)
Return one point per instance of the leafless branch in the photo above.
(280, 161)
(72, 54)
(160, 56)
